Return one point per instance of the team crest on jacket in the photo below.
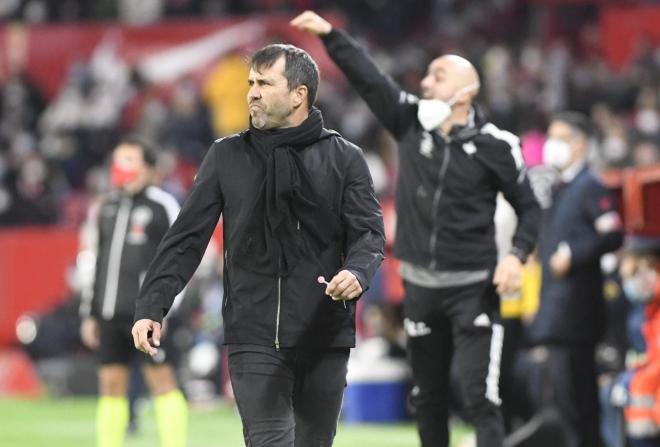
(426, 145)
(469, 148)
(140, 218)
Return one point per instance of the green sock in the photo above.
(172, 417)
(111, 421)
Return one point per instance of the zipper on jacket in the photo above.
(279, 308)
(227, 292)
(433, 240)
(114, 258)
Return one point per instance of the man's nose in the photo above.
(254, 93)
(424, 83)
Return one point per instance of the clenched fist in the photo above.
(312, 23)
(344, 286)
(508, 275)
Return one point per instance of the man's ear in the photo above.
(300, 95)
(464, 97)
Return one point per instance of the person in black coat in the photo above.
(298, 205)
(581, 225)
(452, 165)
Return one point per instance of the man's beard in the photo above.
(258, 121)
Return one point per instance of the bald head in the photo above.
(460, 68)
(451, 76)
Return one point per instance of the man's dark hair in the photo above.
(149, 149)
(577, 121)
(299, 67)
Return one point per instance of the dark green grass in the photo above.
(70, 423)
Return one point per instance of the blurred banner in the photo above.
(626, 28)
(33, 273)
(160, 53)
(625, 31)
(638, 193)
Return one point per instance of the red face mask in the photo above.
(121, 175)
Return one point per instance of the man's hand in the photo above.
(312, 23)
(508, 275)
(141, 339)
(560, 263)
(344, 286)
(89, 333)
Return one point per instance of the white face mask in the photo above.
(431, 113)
(556, 153)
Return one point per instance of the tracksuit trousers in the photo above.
(459, 325)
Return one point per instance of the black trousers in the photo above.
(455, 324)
(290, 397)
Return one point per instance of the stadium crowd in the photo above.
(52, 147)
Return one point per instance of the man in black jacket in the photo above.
(123, 231)
(581, 225)
(452, 164)
(298, 206)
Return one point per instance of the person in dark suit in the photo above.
(580, 226)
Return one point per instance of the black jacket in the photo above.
(260, 308)
(584, 216)
(127, 230)
(447, 188)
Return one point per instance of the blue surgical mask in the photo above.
(640, 287)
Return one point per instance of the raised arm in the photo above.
(394, 108)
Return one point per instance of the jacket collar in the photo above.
(573, 171)
(476, 120)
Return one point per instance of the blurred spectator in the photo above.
(525, 79)
(21, 105)
(580, 226)
(187, 129)
(645, 153)
(144, 11)
(80, 125)
(25, 191)
(121, 237)
(224, 91)
(640, 270)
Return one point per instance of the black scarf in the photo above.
(287, 203)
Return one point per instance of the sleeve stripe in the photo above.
(407, 98)
(513, 141)
(166, 200)
(172, 209)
